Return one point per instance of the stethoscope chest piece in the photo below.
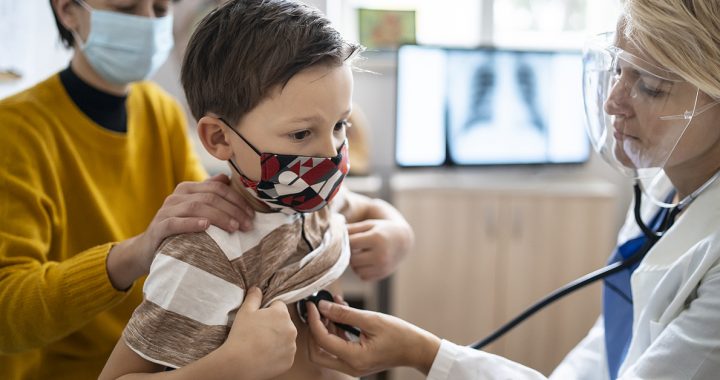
(351, 333)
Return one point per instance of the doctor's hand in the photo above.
(192, 207)
(385, 342)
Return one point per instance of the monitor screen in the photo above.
(488, 107)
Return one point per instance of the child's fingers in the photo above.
(252, 301)
(354, 228)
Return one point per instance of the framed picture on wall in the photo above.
(386, 29)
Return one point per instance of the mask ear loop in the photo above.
(237, 169)
(83, 4)
(241, 136)
(79, 40)
(74, 33)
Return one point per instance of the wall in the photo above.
(29, 43)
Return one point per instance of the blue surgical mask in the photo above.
(125, 48)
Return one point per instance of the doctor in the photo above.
(652, 96)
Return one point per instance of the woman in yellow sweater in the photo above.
(96, 171)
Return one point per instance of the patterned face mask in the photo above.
(296, 183)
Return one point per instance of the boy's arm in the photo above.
(260, 345)
(380, 237)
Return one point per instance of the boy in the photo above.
(270, 84)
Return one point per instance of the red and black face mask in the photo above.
(298, 183)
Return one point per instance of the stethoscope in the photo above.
(652, 237)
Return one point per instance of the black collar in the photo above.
(105, 109)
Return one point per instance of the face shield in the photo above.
(636, 111)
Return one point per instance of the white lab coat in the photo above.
(676, 326)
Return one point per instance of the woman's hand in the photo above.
(192, 207)
(385, 342)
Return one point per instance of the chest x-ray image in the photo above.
(488, 106)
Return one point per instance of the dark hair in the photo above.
(65, 35)
(245, 48)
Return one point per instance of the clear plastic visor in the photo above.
(636, 112)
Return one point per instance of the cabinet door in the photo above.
(550, 240)
(447, 285)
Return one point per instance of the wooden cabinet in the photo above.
(357, 292)
(484, 252)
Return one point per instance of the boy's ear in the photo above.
(213, 135)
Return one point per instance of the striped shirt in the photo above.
(198, 281)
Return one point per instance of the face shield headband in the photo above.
(636, 111)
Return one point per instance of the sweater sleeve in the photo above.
(42, 300)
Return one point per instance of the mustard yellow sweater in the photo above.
(68, 190)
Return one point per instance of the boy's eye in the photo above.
(342, 124)
(300, 135)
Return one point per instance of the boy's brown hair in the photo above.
(245, 48)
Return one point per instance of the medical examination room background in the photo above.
(497, 236)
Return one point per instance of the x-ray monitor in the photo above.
(488, 107)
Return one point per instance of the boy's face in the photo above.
(307, 117)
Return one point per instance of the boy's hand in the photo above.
(261, 343)
(378, 246)
(192, 207)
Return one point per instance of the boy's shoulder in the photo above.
(216, 244)
(193, 250)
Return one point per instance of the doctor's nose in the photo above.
(618, 103)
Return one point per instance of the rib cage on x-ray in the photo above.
(488, 106)
(483, 83)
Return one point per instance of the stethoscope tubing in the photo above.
(609, 270)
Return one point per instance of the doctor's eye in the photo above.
(300, 135)
(653, 90)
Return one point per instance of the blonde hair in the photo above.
(681, 35)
